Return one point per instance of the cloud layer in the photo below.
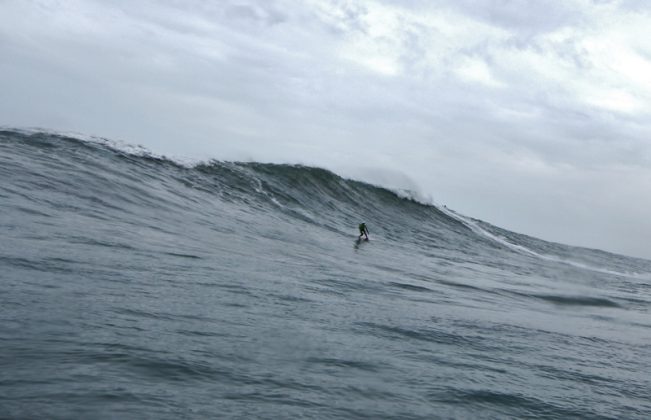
(533, 115)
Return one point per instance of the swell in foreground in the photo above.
(132, 286)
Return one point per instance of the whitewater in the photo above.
(135, 286)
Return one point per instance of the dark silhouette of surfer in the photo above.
(363, 231)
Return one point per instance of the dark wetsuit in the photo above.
(363, 230)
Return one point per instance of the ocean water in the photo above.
(132, 286)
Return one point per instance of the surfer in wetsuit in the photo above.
(363, 230)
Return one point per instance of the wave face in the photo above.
(134, 286)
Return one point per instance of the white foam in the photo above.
(474, 226)
(257, 186)
(121, 146)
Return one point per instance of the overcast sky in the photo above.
(532, 115)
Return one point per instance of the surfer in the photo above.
(363, 230)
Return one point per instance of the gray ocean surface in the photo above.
(135, 287)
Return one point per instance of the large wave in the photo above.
(110, 177)
(133, 271)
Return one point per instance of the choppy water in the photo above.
(134, 287)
